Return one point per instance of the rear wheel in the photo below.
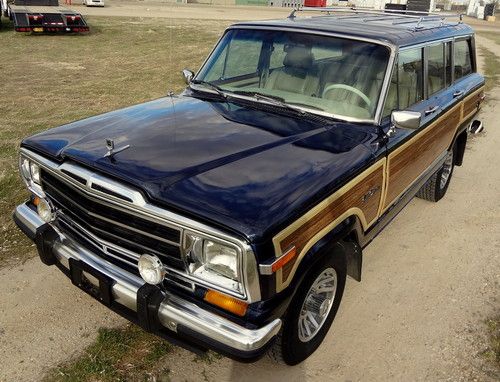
(437, 185)
(311, 312)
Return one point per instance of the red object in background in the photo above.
(315, 3)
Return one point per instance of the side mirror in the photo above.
(188, 76)
(406, 119)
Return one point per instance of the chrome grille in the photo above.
(120, 235)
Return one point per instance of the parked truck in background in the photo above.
(41, 16)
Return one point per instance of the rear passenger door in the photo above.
(422, 84)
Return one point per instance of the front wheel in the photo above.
(435, 188)
(311, 312)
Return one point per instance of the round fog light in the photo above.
(45, 210)
(151, 269)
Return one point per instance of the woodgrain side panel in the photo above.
(409, 161)
(384, 182)
(352, 198)
(360, 197)
(472, 102)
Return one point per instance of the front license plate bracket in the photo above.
(102, 292)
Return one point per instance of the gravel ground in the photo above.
(429, 282)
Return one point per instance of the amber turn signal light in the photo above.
(225, 302)
(36, 200)
(287, 257)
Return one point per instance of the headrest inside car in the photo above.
(298, 57)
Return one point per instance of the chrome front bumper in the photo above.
(173, 312)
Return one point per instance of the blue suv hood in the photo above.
(239, 167)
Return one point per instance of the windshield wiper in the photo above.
(210, 85)
(275, 100)
(279, 101)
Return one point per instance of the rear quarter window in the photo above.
(463, 58)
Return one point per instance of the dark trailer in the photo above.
(45, 16)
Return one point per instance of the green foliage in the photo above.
(120, 354)
(493, 351)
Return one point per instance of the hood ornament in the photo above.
(110, 144)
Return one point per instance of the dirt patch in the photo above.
(172, 10)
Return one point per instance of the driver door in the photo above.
(421, 84)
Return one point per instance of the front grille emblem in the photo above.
(110, 144)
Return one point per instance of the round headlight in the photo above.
(45, 210)
(151, 269)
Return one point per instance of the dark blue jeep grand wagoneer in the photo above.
(228, 217)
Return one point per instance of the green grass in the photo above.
(49, 80)
(493, 351)
(124, 354)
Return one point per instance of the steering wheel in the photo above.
(351, 89)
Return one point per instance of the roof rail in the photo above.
(418, 16)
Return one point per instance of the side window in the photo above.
(462, 55)
(435, 68)
(410, 77)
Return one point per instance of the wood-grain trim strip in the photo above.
(471, 103)
(410, 160)
(325, 216)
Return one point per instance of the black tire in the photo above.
(435, 188)
(288, 347)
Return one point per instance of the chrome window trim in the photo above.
(141, 208)
(395, 53)
(424, 46)
(427, 43)
(425, 74)
(385, 86)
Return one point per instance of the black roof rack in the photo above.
(398, 16)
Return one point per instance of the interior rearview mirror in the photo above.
(188, 76)
(406, 119)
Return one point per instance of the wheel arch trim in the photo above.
(350, 222)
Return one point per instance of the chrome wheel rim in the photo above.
(447, 167)
(317, 304)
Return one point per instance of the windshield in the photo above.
(334, 75)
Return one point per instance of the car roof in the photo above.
(394, 29)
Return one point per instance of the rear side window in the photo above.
(463, 58)
(436, 77)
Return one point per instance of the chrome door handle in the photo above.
(458, 93)
(432, 110)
